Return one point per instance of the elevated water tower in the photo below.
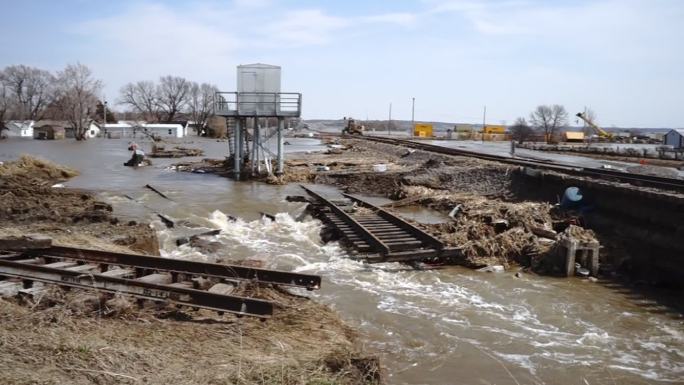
(258, 96)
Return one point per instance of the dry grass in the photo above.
(73, 338)
(37, 170)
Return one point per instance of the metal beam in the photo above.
(363, 232)
(275, 277)
(281, 152)
(237, 156)
(421, 235)
(139, 289)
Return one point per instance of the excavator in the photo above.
(352, 127)
(602, 134)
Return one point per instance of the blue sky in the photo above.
(622, 58)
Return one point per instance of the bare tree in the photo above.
(521, 131)
(172, 94)
(549, 119)
(142, 97)
(5, 101)
(201, 104)
(31, 91)
(77, 92)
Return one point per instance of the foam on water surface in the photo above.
(534, 326)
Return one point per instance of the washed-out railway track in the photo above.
(659, 182)
(165, 280)
(377, 234)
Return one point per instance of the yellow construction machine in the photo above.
(603, 134)
(352, 127)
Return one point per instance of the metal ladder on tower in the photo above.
(230, 132)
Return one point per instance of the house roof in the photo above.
(51, 123)
(258, 65)
(680, 131)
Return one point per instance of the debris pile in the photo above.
(490, 232)
(160, 151)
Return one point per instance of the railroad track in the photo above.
(624, 177)
(183, 283)
(377, 233)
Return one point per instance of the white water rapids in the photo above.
(433, 327)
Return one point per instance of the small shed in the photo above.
(422, 130)
(49, 130)
(675, 138)
(494, 129)
(574, 136)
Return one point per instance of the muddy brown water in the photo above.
(449, 326)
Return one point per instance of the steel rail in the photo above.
(138, 289)
(635, 179)
(364, 233)
(416, 232)
(232, 272)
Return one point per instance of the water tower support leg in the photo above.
(281, 152)
(237, 156)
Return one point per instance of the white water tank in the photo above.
(263, 79)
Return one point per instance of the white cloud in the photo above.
(252, 3)
(305, 27)
(592, 49)
(399, 18)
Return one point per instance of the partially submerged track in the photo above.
(377, 233)
(193, 284)
(659, 182)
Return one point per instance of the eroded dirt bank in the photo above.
(502, 214)
(77, 337)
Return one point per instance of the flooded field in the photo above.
(429, 327)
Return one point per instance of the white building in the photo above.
(174, 130)
(140, 130)
(675, 138)
(93, 131)
(19, 128)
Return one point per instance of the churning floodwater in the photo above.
(448, 326)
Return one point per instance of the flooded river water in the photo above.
(449, 326)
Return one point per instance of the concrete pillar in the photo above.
(281, 152)
(594, 260)
(237, 156)
(570, 250)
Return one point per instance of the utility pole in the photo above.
(484, 123)
(104, 115)
(413, 116)
(389, 120)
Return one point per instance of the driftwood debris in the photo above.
(161, 194)
(183, 240)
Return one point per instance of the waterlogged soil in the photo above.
(77, 337)
(453, 325)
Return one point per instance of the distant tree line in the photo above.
(28, 93)
(170, 98)
(72, 95)
(544, 120)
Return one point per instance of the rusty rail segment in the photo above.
(413, 230)
(194, 284)
(594, 172)
(139, 289)
(231, 272)
(367, 236)
(381, 235)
